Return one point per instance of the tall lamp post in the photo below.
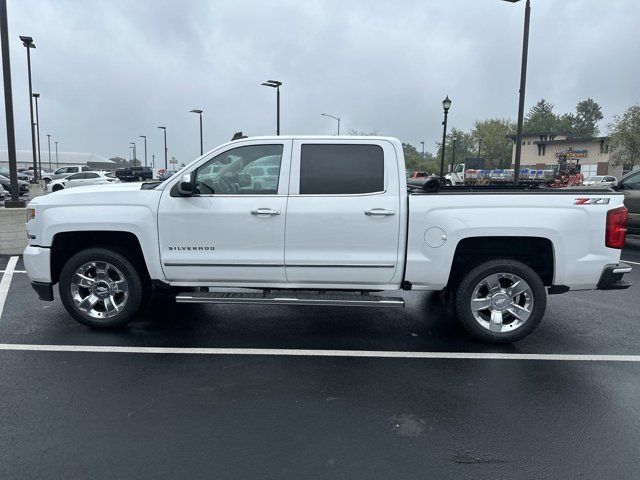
(145, 149)
(199, 112)
(523, 86)
(56, 142)
(164, 129)
(28, 43)
(453, 153)
(275, 84)
(446, 105)
(36, 96)
(49, 145)
(479, 147)
(422, 143)
(335, 118)
(15, 201)
(133, 145)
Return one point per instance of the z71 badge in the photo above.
(591, 201)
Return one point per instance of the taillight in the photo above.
(616, 232)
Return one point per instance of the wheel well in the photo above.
(67, 244)
(535, 252)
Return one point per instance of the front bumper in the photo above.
(611, 278)
(37, 263)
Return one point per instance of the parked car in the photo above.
(132, 174)
(259, 178)
(65, 171)
(80, 180)
(599, 180)
(23, 186)
(3, 194)
(629, 185)
(351, 226)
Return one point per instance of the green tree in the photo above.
(585, 122)
(541, 118)
(416, 162)
(496, 147)
(625, 137)
(464, 148)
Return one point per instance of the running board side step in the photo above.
(291, 298)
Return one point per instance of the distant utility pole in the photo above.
(56, 142)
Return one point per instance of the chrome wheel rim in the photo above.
(99, 290)
(502, 302)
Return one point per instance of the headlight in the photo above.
(31, 214)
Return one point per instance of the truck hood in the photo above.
(110, 194)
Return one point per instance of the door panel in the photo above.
(334, 239)
(234, 237)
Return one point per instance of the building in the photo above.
(25, 160)
(542, 150)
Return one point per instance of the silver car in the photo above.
(599, 180)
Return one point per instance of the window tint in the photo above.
(91, 175)
(77, 176)
(241, 171)
(632, 183)
(341, 169)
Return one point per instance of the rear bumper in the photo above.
(611, 278)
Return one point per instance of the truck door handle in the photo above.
(381, 212)
(265, 211)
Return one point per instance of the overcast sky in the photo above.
(109, 71)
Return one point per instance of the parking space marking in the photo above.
(277, 352)
(15, 271)
(6, 281)
(629, 261)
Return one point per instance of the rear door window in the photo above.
(340, 169)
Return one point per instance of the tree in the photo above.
(625, 137)
(464, 147)
(585, 122)
(119, 161)
(496, 147)
(541, 118)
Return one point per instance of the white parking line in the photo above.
(15, 271)
(319, 353)
(629, 261)
(6, 281)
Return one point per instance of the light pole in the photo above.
(15, 201)
(133, 145)
(145, 149)
(422, 143)
(479, 147)
(28, 43)
(199, 112)
(275, 84)
(36, 96)
(523, 86)
(335, 118)
(49, 145)
(164, 129)
(453, 154)
(446, 105)
(56, 142)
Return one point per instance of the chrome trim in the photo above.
(379, 212)
(341, 265)
(265, 211)
(293, 265)
(337, 194)
(622, 270)
(200, 264)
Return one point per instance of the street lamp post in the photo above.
(133, 145)
(275, 84)
(145, 149)
(15, 201)
(335, 118)
(28, 43)
(56, 142)
(49, 145)
(36, 96)
(453, 154)
(479, 147)
(446, 105)
(164, 129)
(523, 86)
(422, 143)
(199, 112)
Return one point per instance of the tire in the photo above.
(448, 183)
(140, 178)
(57, 188)
(497, 323)
(47, 180)
(108, 302)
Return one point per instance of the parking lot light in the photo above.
(275, 84)
(199, 112)
(166, 163)
(28, 43)
(446, 105)
(49, 145)
(145, 149)
(335, 118)
(56, 142)
(36, 96)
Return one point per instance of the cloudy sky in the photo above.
(109, 71)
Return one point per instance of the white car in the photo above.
(80, 180)
(3, 193)
(599, 180)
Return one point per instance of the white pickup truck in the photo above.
(334, 226)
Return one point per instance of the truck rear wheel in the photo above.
(501, 301)
(101, 288)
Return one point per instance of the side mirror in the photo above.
(616, 184)
(244, 180)
(186, 186)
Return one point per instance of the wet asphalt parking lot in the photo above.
(312, 393)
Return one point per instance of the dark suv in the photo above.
(132, 174)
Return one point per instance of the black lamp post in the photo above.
(145, 149)
(335, 118)
(15, 201)
(453, 153)
(422, 143)
(36, 96)
(446, 105)
(199, 112)
(164, 129)
(523, 86)
(275, 84)
(28, 43)
(49, 145)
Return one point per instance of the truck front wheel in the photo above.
(501, 301)
(101, 288)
